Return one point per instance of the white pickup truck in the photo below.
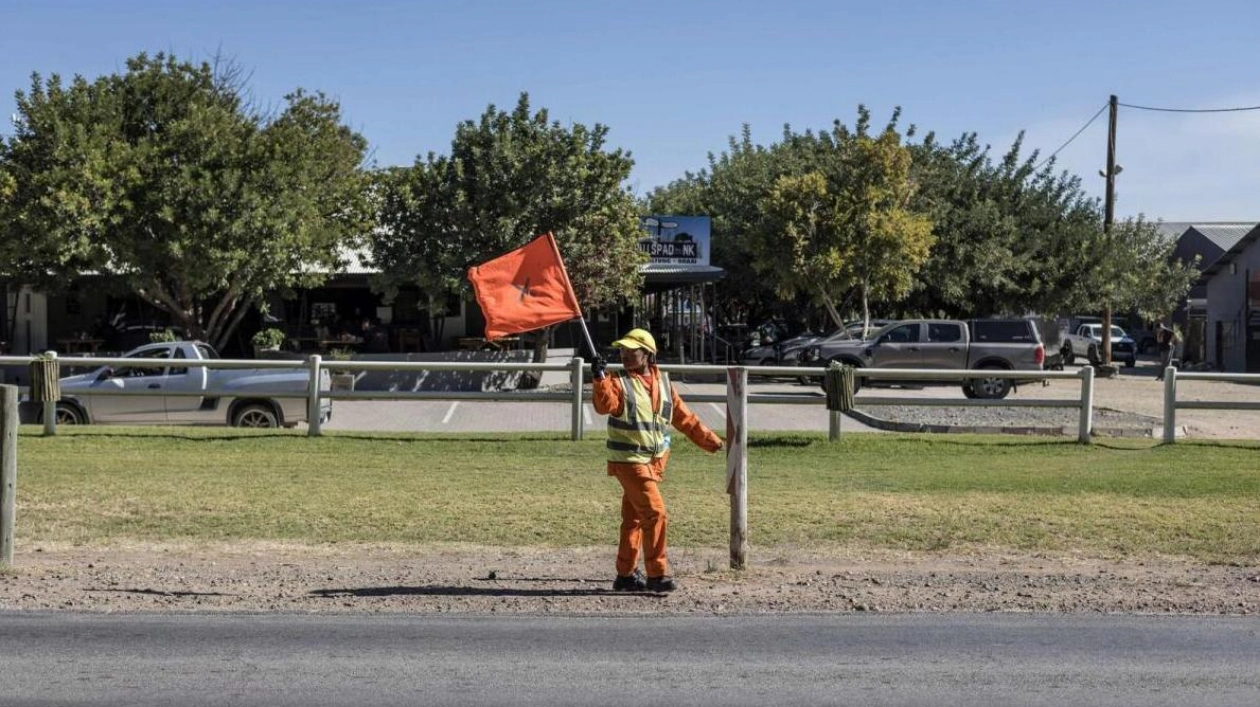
(1078, 344)
(87, 398)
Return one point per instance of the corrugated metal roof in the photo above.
(356, 262)
(1173, 229)
(1239, 246)
(353, 262)
(1224, 235)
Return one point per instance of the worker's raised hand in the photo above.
(599, 368)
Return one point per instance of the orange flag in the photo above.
(524, 289)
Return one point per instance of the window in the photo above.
(1006, 330)
(904, 334)
(939, 333)
(179, 353)
(146, 371)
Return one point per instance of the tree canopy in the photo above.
(509, 177)
(165, 180)
(849, 227)
(1007, 235)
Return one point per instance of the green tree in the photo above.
(731, 191)
(1131, 269)
(510, 177)
(166, 180)
(1008, 233)
(848, 228)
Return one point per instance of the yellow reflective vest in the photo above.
(640, 434)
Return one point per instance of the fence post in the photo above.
(313, 417)
(575, 378)
(1170, 405)
(8, 469)
(49, 407)
(737, 462)
(1087, 405)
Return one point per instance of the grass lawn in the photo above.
(917, 492)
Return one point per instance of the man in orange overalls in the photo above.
(641, 404)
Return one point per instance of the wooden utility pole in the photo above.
(1109, 215)
(737, 462)
(8, 469)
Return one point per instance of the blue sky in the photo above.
(674, 79)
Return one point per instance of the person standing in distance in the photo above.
(1167, 339)
(641, 405)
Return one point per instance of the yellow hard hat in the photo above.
(637, 339)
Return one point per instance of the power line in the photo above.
(1192, 110)
(1074, 136)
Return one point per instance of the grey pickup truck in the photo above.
(947, 344)
(135, 395)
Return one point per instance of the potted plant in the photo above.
(341, 380)
(162, 337)
(269, 339)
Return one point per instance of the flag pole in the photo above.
(589, 343)
(568, 283)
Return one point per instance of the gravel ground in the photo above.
(1062, 420)
(256, 577)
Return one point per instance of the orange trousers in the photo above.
(643, 524)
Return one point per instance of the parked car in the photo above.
(242, 408)
(997, 344)
(788, 352)
(1086, 342)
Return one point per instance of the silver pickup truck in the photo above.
(242, 408)
(997, 344)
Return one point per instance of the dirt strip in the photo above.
(266, 577)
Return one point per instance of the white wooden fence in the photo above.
(577, 371)
(1172, 404)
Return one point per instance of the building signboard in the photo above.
(677, 240)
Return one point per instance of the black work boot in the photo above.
(661, 584)
(630, 582)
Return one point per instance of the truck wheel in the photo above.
(990, 388)
(255, 415)
(1130, 362)
(69, 414)
(968, 392)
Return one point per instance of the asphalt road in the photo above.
(866, 659)
(466, 416)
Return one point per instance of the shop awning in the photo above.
(675, 274)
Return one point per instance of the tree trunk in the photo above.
(831, 310)
(866, 314)
(225, 332)
(542, 340)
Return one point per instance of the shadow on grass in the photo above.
(755, 442)
(1218, 443)
(939, 439)
(934, 438)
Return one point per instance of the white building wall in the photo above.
(1227, 309)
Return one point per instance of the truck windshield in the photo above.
(206, 352)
